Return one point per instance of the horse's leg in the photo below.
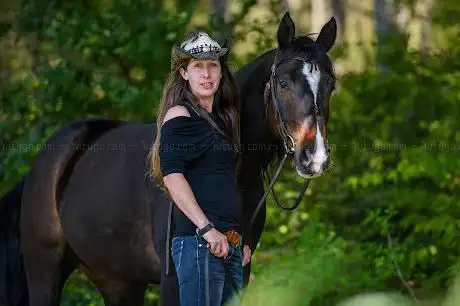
(47, 259)
(119, 292)
(124, 294)
(251, 196)
(169, 286)
(47, 271)
(169, 289)
(246, 274)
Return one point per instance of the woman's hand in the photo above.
(246, 255)
(218, 243)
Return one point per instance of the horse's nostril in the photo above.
(328, 149)
(306, 158)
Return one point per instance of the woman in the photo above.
(198, 142)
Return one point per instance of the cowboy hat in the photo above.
(198, 45)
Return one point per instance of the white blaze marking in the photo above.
(313, 77)
(320, 155)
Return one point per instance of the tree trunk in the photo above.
(284, 5)
(338, 11)
(220, 9)
(219, 18)
(402, 17)
(384, 26)
(319, 13)
(8, 11)
(426, 26)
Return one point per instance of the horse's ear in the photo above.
(328, 33)
(286, 31)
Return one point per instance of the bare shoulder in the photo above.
(176, 111)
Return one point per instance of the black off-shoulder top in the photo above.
(190, 145)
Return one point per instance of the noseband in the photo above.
(288, 142)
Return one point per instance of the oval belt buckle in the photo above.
(234, 237)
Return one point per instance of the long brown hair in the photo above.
(226, 105)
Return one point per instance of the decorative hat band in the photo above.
(202, 43)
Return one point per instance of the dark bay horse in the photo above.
(89, 201)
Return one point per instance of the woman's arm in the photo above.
(184, 198)
(182, 195)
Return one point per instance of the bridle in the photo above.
(288, 141)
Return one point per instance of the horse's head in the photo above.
(300, 85)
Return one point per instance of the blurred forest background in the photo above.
(385, 219)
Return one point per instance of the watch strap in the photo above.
(201, 231)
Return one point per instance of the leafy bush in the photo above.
(388, 206)
(393, 190)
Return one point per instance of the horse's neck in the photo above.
(255, 135)
(260, 67)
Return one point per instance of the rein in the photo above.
(288, 143)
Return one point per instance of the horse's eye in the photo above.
(283, 83)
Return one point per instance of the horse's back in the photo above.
(110, 203)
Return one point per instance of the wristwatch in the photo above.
(201, 231)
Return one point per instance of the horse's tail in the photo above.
(13, 284)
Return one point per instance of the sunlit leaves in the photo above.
(395, 140)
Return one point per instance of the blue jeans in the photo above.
(204, 279)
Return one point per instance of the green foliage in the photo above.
(322, 269)
(86, 59)
(78, 292)
(393, 190)
(96, 58)
(389, 204)
(404, 157)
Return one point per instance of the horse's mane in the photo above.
(261, 62)
(249, 80)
